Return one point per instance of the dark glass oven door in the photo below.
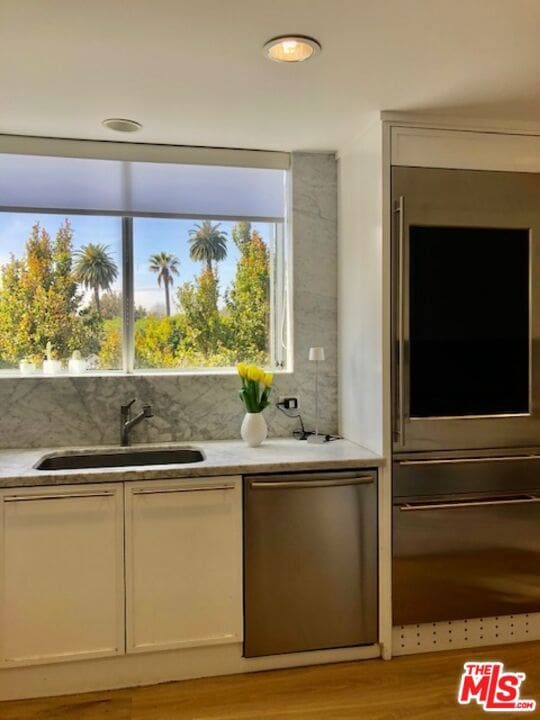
(465, 309)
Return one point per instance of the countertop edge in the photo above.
(221, 459)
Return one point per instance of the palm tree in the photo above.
(95, 269)
(165, 265)
(208, 243)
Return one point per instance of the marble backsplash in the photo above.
(66, 411)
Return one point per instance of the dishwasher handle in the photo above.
(457, 505)
(283, 483)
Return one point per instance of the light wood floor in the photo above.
(420, 687)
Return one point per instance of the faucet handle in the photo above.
(129, 404)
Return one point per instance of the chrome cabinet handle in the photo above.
(400, 395)
(163, 491)
(65, 496)
(519, 500)
(306, 484)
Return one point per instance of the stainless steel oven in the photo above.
(466, 309)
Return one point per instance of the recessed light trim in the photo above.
(291, 48)
(121, 125)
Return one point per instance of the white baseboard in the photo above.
(153, 668)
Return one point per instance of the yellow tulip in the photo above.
(242, 369)
(267, 379)
(254, 373)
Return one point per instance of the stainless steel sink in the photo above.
(144, 456)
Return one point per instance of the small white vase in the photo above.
(27, 368)
(253, 430)
(76, 367)
(52, 367)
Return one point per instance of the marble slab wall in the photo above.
(65, 411)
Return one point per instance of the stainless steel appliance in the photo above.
(466, 263)
(466, 394)
(466, 538)
(310, 548)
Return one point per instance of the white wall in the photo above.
(360, 288)
(363, 325)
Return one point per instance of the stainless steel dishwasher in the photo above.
(310, 549)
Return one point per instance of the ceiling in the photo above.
(192, 71)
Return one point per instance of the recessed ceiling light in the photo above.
(121, 125)
(291, 48)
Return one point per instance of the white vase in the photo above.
(52, 367)
(253, 430)
(27, 368)
(76, 367)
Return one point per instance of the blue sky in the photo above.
(151, 235)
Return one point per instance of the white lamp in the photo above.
(316, 355)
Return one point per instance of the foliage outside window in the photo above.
(206, 293)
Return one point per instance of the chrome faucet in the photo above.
(127, 422)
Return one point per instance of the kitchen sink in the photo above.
(120, 458)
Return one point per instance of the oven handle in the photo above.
(518, 500)
(462, 461)
(399, 210)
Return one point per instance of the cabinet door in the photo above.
(183, 563)
(61, 561)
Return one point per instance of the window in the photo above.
(160, 267)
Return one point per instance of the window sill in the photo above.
(203, 372)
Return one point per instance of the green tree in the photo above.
(111, 306)
(39, 302)
(247, 301)
(158, 341)
(165, 265)
(110, 348)
(241, 234)
(203, 322)
(208, 243)
(95, 269)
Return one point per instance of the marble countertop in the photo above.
(230, 457)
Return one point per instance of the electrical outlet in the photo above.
(289, 403)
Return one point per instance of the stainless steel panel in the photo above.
(452, 476)
(431, 197)
(465, 553)
(310, 543)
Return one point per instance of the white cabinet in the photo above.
(65, 592)
(183, 563)
(61, 564)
